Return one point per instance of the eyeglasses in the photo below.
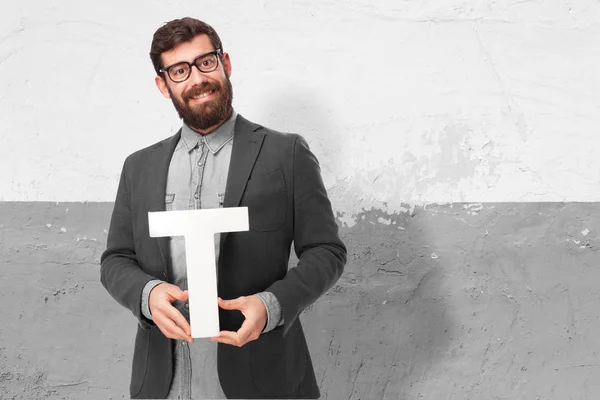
(181, 71)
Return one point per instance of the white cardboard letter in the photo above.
(198, 228)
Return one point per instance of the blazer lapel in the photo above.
(158, 170)
(247, 141)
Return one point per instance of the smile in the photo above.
(203, 95)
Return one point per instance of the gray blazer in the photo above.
(278, 178)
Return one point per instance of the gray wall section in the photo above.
(447, 302)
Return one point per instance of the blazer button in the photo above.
(187, 305)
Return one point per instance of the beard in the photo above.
(205, 115)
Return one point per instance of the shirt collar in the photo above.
(214, 140)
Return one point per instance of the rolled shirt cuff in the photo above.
(274, 314)
(146, 297)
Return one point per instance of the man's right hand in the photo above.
(168, 319)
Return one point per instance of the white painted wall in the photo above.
(404, 102)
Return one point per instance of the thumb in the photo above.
(180, 295)
(234, 304)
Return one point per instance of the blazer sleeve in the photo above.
(120, 272)
(320, 251)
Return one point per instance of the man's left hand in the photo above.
(255, 313)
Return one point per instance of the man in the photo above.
(220, 159)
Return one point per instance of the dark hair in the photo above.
(176, 32)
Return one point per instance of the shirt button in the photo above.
(183, 342)
(196, 195)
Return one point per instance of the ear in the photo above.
(162, 86)
(227, 64)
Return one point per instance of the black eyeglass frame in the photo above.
(217, 52)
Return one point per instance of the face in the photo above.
(203, 101)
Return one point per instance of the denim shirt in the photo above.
(197, 179)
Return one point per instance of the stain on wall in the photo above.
(460, 301)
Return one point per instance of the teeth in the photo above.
(202, 95)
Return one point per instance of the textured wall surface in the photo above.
(463, 301)
(458, 143)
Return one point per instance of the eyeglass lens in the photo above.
(180, 72)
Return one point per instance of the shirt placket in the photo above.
(199, 165)
(183, 363)
(193, 176)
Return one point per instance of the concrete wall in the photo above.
(457, 143)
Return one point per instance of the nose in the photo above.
(196, 76)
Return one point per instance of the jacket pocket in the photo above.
(277, 363)
(266, 199)
(140, 360)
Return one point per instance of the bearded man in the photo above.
(220, 159)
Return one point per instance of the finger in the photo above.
(169, 317)
(227, 337)
(219, 339)
(244, 335)
(177, 332)
(178, 294)
(224, 341)
(234, 304)
(170, 329)
(179, 319)
(230, 335)
(245, 332)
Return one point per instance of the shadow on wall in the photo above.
(382, 328)
(300, 112)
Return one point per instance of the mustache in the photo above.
(202, 88)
